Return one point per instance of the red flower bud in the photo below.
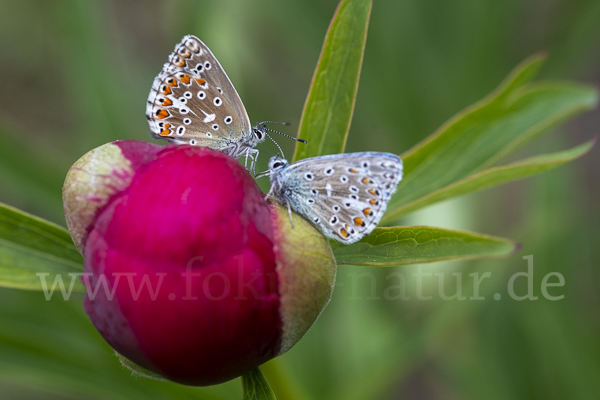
(190, 273)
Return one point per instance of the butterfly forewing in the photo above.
(345, 195)
(193, 101)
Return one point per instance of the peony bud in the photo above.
(190, 273)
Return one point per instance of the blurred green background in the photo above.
(76, 74)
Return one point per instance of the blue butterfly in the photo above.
(343, 195)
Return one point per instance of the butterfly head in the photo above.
(277, 164)
(259, 133)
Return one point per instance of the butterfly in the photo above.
(192, 101)
(343, 195)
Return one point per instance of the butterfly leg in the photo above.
(247, 155)
(269, 193)
(253, 154)
(246, 160)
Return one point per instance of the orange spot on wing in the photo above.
(373, 192)
(344, 233)
(166, 102)
(200, 81)
(353, 171)
(372, 201)
(167, 90)
(366, 180)
(172, 82)
(166, 131)
(162, 113)
(358, 221)
(185, 79)
(367, 212)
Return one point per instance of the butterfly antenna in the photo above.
(276, 144)
(274, 122)
(282, 134)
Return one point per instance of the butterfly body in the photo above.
(192, 101)
(343, 195)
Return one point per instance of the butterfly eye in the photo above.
(277, 164)
(259, 134)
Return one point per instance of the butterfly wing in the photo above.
(193, 101)
(344, 195)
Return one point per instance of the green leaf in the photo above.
(330, 103)
(256, 386)
(477, 137)
(497, 176)
(30, 245)
(386, 247)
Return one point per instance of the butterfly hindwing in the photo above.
(345, 195)
(192, 101)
